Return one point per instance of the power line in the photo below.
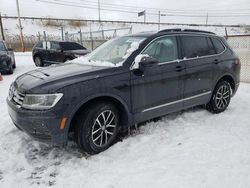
(174, 10)
(125, 10)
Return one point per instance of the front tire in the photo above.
(221, 98)
(38, 61)
(97, 127)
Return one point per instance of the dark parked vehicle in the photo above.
(50, 52)
(123, 82)
(7, 59)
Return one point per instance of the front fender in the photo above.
(73, 109)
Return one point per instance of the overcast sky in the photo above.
(192, 11)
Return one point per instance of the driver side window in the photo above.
(163, 49)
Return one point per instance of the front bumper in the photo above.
(43, 126)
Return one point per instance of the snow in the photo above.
(138, 59)
(134, 46)
(85, 61)
(190, 149)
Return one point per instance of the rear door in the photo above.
(55, 53)
(198, 56)
(159, 89)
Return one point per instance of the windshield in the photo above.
(112, 53)
(2, 46)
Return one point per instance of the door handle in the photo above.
(178, 68)
(216, 61)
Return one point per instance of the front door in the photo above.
(158, 90)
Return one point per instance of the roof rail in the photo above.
(185, 30)
(170, 30)
(198, 31)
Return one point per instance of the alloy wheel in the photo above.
(38, 61)
(222, 97)
(104, 128)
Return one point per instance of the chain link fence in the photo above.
(241, 45)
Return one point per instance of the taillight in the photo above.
(237, 62)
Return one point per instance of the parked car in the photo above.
(50, 52)
(125, 81)
(7, 59)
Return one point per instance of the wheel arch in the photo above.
(229, 78)
(117, 101)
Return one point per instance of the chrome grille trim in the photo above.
(16, 96)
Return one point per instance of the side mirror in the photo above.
(146, 62)
(10, 49)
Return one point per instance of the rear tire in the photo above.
(97, 127)
(11, 69)
(14, 64)
(221, 98)
(38, 61)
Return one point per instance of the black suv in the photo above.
(7, 59)
(125, 81)
(51, 52)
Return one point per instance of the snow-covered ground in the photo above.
(190, 149)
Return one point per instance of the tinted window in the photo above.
(219, 47)
(39, 45)
(196, 46)
(163, 49)
(54, 46)
(2, 46)
(71, 46)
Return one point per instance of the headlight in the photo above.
(41, 102)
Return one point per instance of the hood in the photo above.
(57, 75)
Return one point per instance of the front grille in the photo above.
(16, 96)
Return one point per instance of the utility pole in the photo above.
(80, 32)
(62, 33)
(20, 26)
(144, 16)
(159, 20)
(207, 19)
(99, 9)
(1, 26)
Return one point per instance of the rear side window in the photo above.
(39, 45)
(55, 46)
(196, 46)
(219, 47)
(2, 46)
